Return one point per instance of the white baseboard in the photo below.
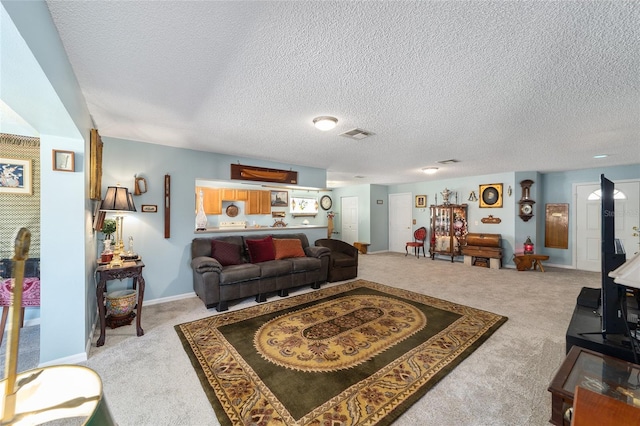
(169, 299)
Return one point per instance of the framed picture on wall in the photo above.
(15, 176)
(491, 195)
(63, 161)
(279, 198)
(421, 201)
(95, 166)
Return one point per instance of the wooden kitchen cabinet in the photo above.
(258, 202)
(212, 200)
(228, 194)
(242, 194)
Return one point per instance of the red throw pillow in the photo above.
(226, 253)
(261, 250)
(288, 248)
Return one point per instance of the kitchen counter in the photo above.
(259, 229)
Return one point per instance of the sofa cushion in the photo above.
(342, 260)
(274, 268)
(226, 253)
(302, 264)
(285, 248)
(238, 273)
(261, 250)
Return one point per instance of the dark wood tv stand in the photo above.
(584, 330)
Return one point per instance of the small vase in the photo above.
(107, 253)
(201, 217)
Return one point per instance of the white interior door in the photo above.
(588, 237)
(349, 210)
(400, 217)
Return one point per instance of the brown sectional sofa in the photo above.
(217, 284)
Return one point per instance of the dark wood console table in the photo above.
(129, 269)
(592, 370)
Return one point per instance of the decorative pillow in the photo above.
(261, 250)
(226, 253)
(288, 248)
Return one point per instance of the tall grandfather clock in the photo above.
(526, 203)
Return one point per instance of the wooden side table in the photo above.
(592, 370)
(526, 261)
(104, 273)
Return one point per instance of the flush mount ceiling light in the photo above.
(600, 156)
(430, 170)
(325, 123)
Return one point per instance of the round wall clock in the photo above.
(526, 203)
(526, 208)
(325, 202)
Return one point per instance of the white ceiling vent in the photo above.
(357, 134)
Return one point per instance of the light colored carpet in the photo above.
(149, 380)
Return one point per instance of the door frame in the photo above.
(574, 214)
(409, 224)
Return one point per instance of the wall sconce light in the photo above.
(118, 199)
(325, 123)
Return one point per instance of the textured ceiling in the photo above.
(499, 86)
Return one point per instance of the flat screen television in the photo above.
(614, 305)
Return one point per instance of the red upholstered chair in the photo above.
(30, 289)
(419, 235)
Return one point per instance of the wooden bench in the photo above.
(362, 247)
(526, 261)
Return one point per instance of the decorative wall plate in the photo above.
(491, 219)
(232, 210)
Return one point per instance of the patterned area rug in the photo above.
(358, 353)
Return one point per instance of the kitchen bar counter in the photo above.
(259, 229)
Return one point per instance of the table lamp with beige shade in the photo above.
(118, 200)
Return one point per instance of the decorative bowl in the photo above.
(121, 303)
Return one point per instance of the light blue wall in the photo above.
(463, 187)
(38, 84)
(558, 187)
(363, 193)
(379, 218)
(167, 269)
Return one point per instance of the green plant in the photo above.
(108, 228)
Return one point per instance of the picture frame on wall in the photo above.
(421, 201)
(490, 195)
(149, 208)
(16, 176)
(95, 166)
(279, 198)
(63, 161)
